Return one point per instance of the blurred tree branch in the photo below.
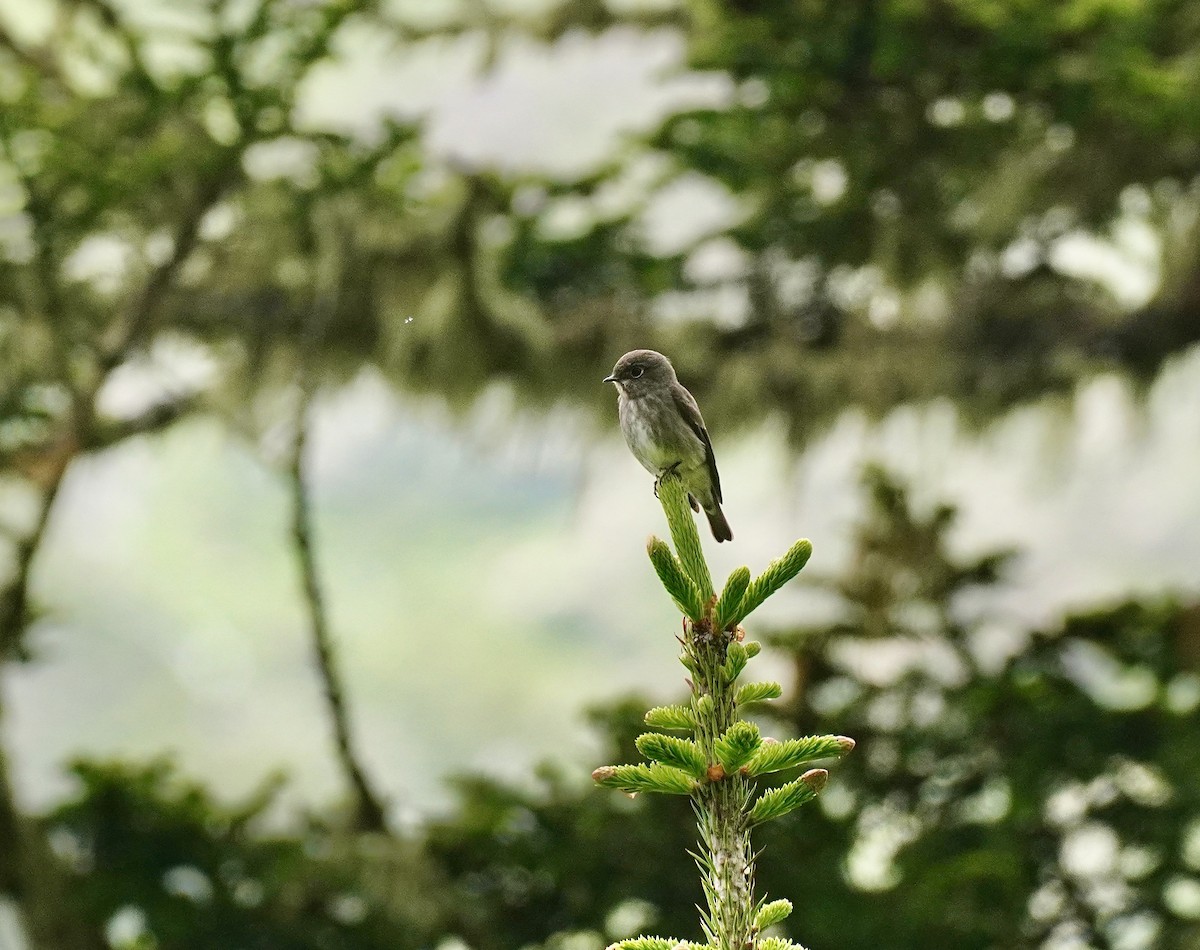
(369, 810)
(15, 614)
(131, 327)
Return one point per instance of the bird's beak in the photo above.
(609, 379)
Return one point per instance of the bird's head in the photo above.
(640, 371)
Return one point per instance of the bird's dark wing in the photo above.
(686, 403)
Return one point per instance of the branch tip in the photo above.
(815, 779)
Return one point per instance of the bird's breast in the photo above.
(657, 435)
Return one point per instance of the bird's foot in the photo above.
(669, 470)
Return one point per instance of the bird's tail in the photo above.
(716, 521)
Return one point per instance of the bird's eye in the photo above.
(637, 371)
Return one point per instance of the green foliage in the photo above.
(730, 602)
(777, 802)
(910, 180)
(683, 532)
(688, 661)
(209, 874)
(770, 914)
(774, 756)
(721, 786)
(671, 717)
(654, 943)
(757, 693)
(736, 659)
(652, 777)
(778, 573)
(777, 943)
(977, 786)
(685, 593)
(503, 867)
(910, 146)
(738, 744)
(964, 768)
(679, 753)
(521, 861)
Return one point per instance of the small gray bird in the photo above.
(665, 431)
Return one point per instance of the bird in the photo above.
(664, 430)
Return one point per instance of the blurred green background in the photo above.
(321, 576)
